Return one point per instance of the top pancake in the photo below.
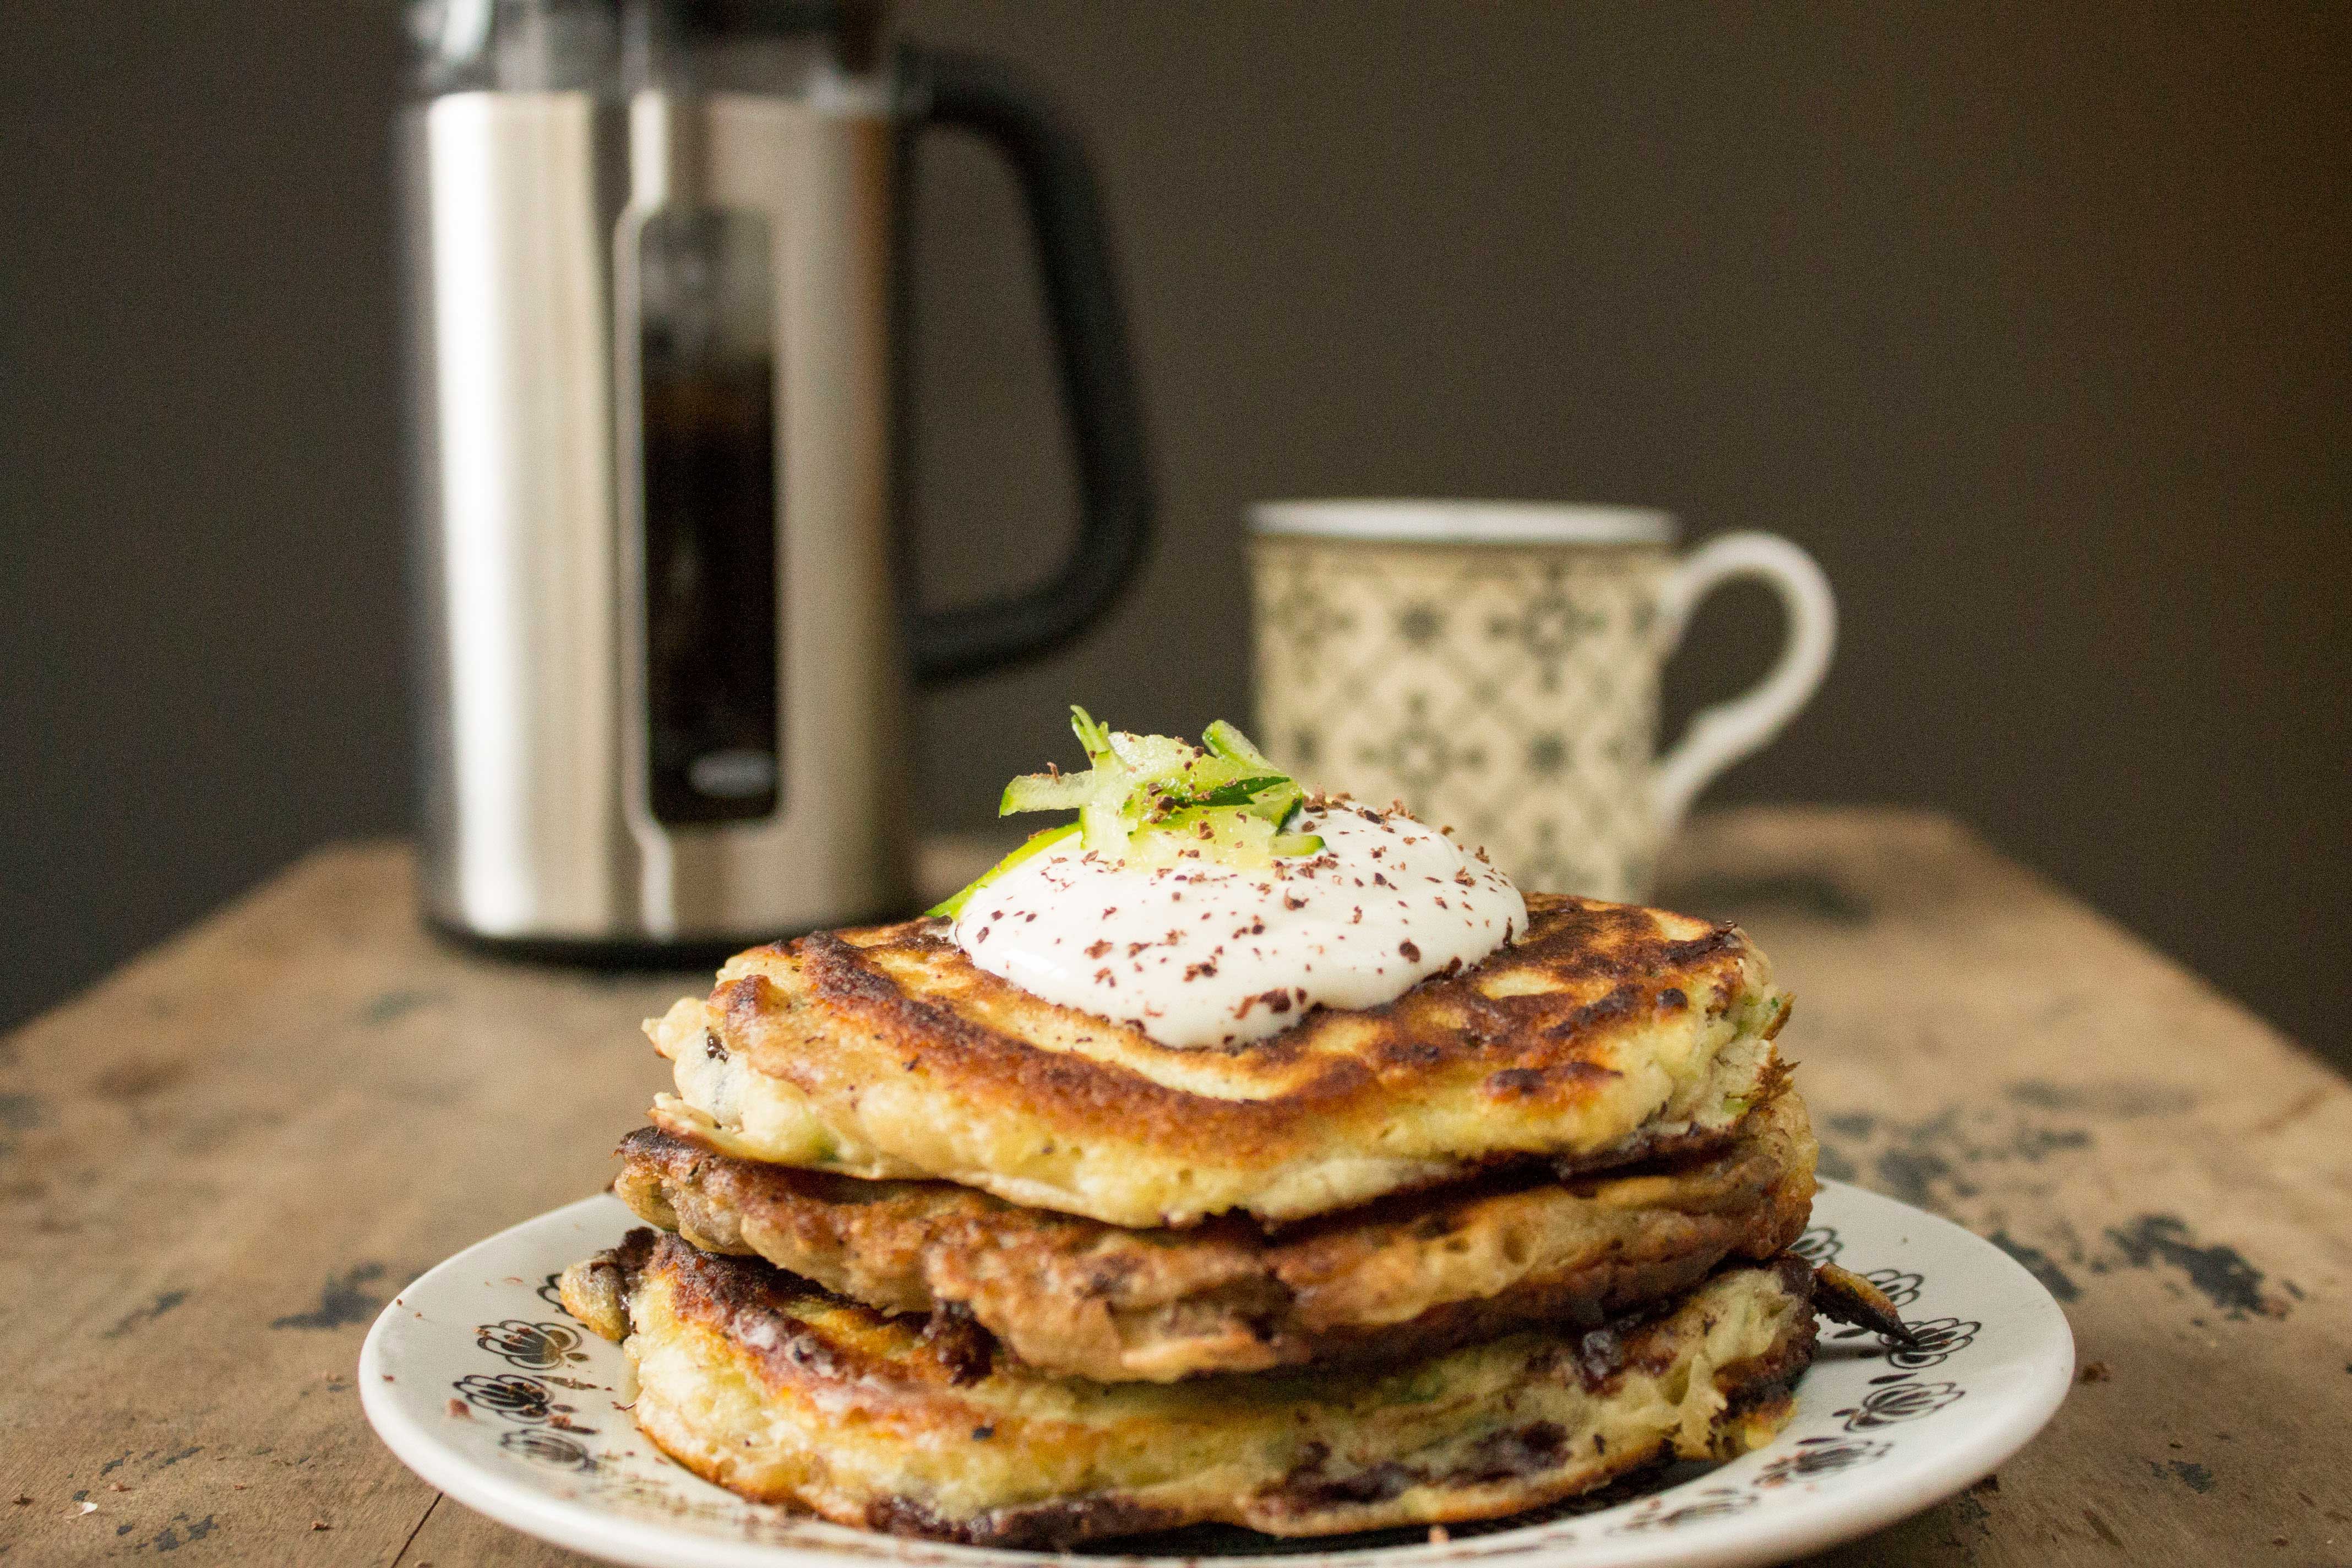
(1606, 1034)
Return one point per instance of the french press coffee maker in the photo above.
(667, 652)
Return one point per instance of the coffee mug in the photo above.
(1495, 667)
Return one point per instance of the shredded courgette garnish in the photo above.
(1152, 800)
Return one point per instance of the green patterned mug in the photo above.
(1495, 666)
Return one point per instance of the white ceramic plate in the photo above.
(477, 1378)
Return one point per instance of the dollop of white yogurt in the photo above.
(1198, 953)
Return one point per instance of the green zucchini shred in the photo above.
(1037, 844)
(1155, 799)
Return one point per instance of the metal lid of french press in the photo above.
(558, 46)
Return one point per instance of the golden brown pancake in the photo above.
(1406, 1276)
(755, 1380)
(1606, 1034)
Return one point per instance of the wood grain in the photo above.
(217, 1164)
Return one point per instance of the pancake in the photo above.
(781, 1392)
(1406, 1276)
(1606, 1034)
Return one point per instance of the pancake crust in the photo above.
(1409, 1275)
(783, 1394)
(1606, 1034)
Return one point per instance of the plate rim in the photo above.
(1945, 1471)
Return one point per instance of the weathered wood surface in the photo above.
(216, 1166)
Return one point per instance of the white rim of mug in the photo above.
(1462, 521)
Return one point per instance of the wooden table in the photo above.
(220, 1162)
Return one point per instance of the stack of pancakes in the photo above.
(940, 1258)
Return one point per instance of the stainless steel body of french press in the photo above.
(666, 656)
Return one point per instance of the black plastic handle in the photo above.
(991, 100)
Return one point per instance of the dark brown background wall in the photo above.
(2033, 322)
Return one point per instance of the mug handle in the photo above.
(1721, 735)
